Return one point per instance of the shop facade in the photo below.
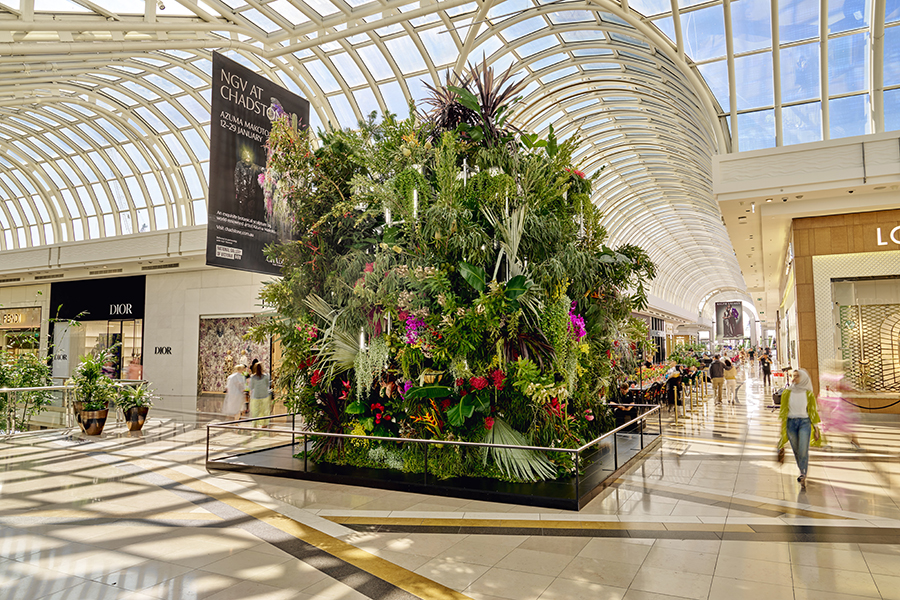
(842, 303)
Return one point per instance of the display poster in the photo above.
(240, 224)
(729, 320)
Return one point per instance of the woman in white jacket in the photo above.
(730, 382)
(234, 392)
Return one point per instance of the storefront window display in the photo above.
(97, 315)
(20, 330)
(222, 345)
(867, 311)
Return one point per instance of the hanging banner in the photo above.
(240, 225)
(729, 320)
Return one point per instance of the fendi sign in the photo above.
(20, 318)
(894, 236)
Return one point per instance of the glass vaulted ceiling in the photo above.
(104, 104)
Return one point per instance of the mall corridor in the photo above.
(709, 514)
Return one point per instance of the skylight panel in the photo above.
(523, 28)
(173, 114)
(417, 89)
(323, 7)
(704, 33)
(508, 7)
(846, 15)
(347, 68)
(375, 61)
(150, 118)
(406, 55)
(649, 8)
(393, 97)
(571, 16)
(366, 101)
(459, 10)
(288, 11)
(440, 46)
(667, 26)
(751, 23)
(488, 46)
(59, 6)
(121, 7)
(343, 111)
(584, 35)
(538, 45)
(260, 20)
(592, 52)
(197, 110)
(847, 64)
(27, 150)
(548, 61)
(321, 76)
(800, 73)
(113, 131)
(627, 39)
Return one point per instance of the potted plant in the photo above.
(135, 402)
(93, 391)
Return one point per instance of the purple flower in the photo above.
(576, 324)
(414, 326)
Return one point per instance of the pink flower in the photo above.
(488, 423)
(589, 415)
(370, 267)
(479, 383)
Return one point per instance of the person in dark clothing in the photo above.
(717, 374)
(624, 414)
(765, 361)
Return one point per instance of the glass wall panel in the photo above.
(846, 15)
(802, 123)
(800, 73)
(754, 84)
(704, 33)
(848, 64)
(756, 130)
(798, 20)
(892, 56)
(751, 24)
(892, 110)
(849, 116)
(716, 76)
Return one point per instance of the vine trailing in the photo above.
(449, 279)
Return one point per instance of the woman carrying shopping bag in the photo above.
(799, 421)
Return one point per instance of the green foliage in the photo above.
(21, 371)
(453, 245)
(134, 396)
(515, 463)
(90, 385)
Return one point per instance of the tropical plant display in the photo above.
(134, 396)
(449, 280)
(686, 354)
(90, 385)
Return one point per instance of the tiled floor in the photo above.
(709, 515)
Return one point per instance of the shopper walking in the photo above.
(799, 421)
(765, 361)
(838, 415)
(260, 396)
(717, 374)
(234, 393)
(730, 382)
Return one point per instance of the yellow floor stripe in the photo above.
(404, 579)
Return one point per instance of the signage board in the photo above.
(113, 299)
(20, 318)
(729, 320)
(240, 224)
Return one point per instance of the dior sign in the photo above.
(894, 236)
(120, 309)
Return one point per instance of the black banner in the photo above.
(729, 320)
(244, 104)
(99, 299)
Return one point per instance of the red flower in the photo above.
(402, 315)
(378, 418)
(460, 382)
(316, 378)
(387, 417)
(488, 423)
(479, 383)
(445, 403)
(498, 376)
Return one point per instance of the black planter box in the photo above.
(604, 464)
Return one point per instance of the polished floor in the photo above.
(709, 514)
